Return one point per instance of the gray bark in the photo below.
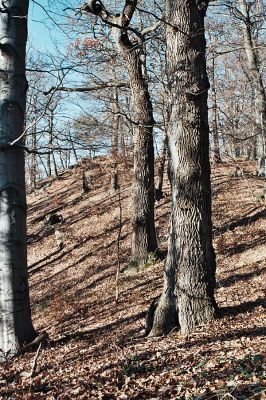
(115, 116)
(15, 315)
(161, 168)
(216, 155)
(259, 90)
(133, 54)
(189, 277)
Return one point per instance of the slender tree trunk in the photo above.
(34, 157)
(259, 90)
(51, 146)
(115, 116)
(144, 236)
(216, 156)
(15, 315)
(190, 266)
(49, 155)
(132, 51)
(161, 168)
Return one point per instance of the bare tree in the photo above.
(15, 315)
(130, 44)
(189, 278)
(256, 78)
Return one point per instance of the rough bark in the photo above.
(15, 315)
(161, 168)
(34, 161)
(115, 116)
(144, 236)
(259, 90)
(189, 278)
(132, 53)
(216, 150)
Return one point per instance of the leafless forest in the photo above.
(132, 199)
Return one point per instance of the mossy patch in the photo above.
(133, 267)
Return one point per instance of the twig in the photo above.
(36, 341)
(30, 374)
(34, 362)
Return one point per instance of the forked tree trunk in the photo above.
(15, 315)
(133, 55)
(190, 266)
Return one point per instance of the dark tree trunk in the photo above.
(190, 266)
(216, 150)
(161, 168)
(34, 161)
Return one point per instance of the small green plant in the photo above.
(133, 268)
(133, 366)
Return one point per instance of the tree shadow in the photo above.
(63, 253)
(242, 308)
(239, 277)
(35, 267)
(88, 335)
(240, 247)
(246, 220)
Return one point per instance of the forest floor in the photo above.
(96, 348)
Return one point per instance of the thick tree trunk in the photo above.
(259, 90)
(190, 266)
(15, 316)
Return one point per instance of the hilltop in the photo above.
(96, 347)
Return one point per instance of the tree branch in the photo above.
(85, 89)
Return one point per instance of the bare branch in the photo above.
(85, 89)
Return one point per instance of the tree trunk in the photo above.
(216, 152)
(190, 266)
(132, 52)
(15, 315)
(115, 115)
(161, 168)
(259, 90)
(34, 161)
(144, 235)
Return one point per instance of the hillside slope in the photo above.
(96, 348)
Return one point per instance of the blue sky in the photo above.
(42, 31)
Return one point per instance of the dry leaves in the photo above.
(96, 349)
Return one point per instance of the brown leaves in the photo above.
(95, 348)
